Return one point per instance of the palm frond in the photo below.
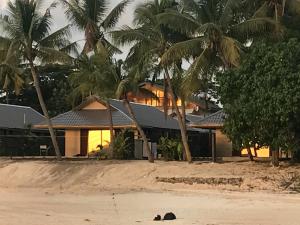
(142, 15)
(111, 49)
(128, 35)
(41, 26)
(255, 27)
(75, 13)
(58, 39)
(94, 10)
(50, 55)
(230, 51)
(185, 49)
(113, 17)
(71, 49)
(179, 22)
(192, 76)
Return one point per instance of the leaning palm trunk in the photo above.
(183, 119)
(140, 130)
(44, 109)
(111, 126)
(180, 120)
(250, 153)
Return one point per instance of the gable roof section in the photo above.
(215, 120)
(89, 100)
(18, 117)
(89, 119)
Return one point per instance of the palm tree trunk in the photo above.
(255, 150)
(140, 130)
(250, 153)
(44, 109)
(180, 120)
(111, 126)
(7, 97)
(183, 119)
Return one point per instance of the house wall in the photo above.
(72, 143)
(223, 145)
(261, 152)
(147, 100)
(95, 105)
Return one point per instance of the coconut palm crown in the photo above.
(92, 17)
(217, 31)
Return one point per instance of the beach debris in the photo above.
(169, 216)
(157, 218)
(234, 181)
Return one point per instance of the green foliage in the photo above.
(55, 88)
(121, 146)
(171, 149)
(94, 75)
(262, 98)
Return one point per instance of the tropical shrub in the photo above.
(171, 149)
(121, 146)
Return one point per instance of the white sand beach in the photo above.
(127, 193)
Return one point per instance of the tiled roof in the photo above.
(147, 116)
(215, 120)
(18, 117)
(89, 118)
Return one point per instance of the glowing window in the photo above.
(97, 138)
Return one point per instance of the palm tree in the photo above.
(217, 33)
(131, 85)
(28, 31)
(96, 75)
(214, 28)
(91, 16)
(151, 40)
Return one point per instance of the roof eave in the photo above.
(62, 126)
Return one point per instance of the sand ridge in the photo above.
(99, 176)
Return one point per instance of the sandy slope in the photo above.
(127, 193)
(95, 176)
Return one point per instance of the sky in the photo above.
(60, 20)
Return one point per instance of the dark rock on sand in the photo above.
(157, 218)
(170, 216)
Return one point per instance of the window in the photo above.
(98, 138)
